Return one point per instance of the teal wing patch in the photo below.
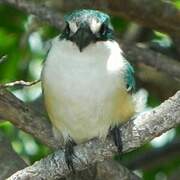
(129, 78)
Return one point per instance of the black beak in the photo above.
(83, 37)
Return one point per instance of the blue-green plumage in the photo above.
(129, 78)
(85, 14)
(83, 20)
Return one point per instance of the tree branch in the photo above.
(160, 15)
(144, 12)
(126, 9)
(142, 54)
(134, 134)
(111, 169)
(25, 118)
(106, 170)
(10, 162)
(42, 12)
(20, 83)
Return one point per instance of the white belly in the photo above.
(83, 90)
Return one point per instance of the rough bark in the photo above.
(112, 170)
(134, 134)
(106, 170)
(25, 118)
(34, 123)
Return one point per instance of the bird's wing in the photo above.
(129, 77)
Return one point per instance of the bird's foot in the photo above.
(69, 154)
(116, 133)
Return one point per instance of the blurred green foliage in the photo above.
(25, 48)
(177, 3)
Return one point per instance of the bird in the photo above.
(87, 82)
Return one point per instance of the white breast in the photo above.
(81, 88)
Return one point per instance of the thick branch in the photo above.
(25, 118)
(134, 134)
(112, 170)
(22, 121)
(154, 59)
(128, 11)
(35, 128)
(106, 170)
(10, 162)
(160, 15)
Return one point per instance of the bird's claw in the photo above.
(116, 133)
(69, 154)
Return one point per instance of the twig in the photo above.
(20, 83)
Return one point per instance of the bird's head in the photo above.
(87, 26)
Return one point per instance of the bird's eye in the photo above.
(67, 29)
(104, 29)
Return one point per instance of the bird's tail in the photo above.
(140, 99)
